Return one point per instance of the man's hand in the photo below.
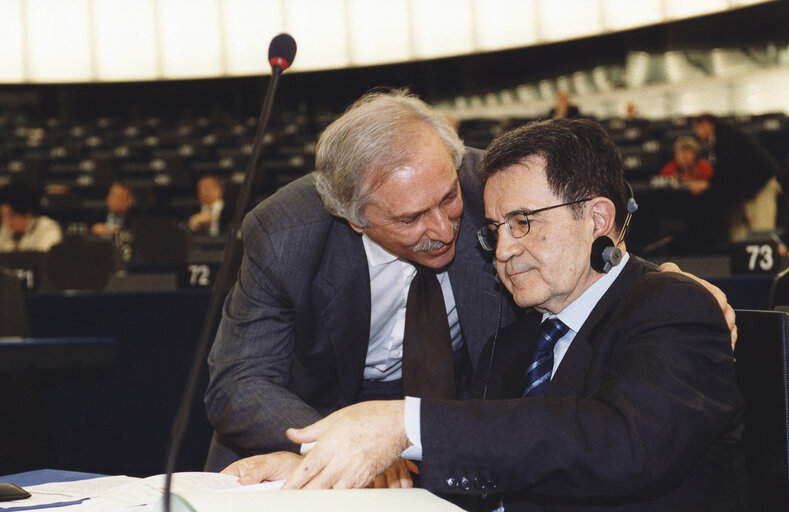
(353, 446)
(397, 476)
(199, 220)
(728, 311)
(264, 468)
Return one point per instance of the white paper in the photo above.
(123, 493)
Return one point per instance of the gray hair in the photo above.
(373, 138)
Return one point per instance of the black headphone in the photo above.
(607, 254)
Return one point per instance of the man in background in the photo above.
(23, 229)
(119, 204)
(563, 108)
(745, 184)
(213, 215)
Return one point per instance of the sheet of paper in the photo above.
(65, 492)
(144, 492)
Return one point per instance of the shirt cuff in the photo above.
(412, 423)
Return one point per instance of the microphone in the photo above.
(282, 51)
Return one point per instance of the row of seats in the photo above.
(646, 145)
(162, 160)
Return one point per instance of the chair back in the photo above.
(79, 264)
(779, 292)
(158, 243)
(762, 355)
(13, 311)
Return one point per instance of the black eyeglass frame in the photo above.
(493, 227)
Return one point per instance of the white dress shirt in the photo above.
(215, 209)
(40, 235)
(390, 278)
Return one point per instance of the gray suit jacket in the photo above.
(293, 338)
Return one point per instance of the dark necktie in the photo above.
(538, 375)
(428, 366)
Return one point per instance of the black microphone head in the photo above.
(282, 51)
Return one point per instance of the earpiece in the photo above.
(605, 254)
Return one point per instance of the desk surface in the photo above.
(43, 476)
(50, 353)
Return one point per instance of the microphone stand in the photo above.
(218, 290)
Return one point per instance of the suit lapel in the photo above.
(343, 291)
(473, 287)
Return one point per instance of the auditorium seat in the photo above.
(762, 363)
(13, 314)
(159, 243)
(79, 263)
(779, 292)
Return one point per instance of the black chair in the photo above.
(779, 293)
(159, 244)
(13, 312)
(27, 265)
(79, 263)
(762, 355)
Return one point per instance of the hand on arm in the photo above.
(353, 445)
(728, 311)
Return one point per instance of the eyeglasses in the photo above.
(517, 222)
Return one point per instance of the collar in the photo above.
(576, 313)
(376, 255)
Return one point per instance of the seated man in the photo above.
(619, 385)
(119, 205)
(23, 229)
(213, 216)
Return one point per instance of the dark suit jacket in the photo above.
(643, 412)
(742, 165)
(293, 339)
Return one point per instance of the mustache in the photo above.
(512, 267)
(432, 245)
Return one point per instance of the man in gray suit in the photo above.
(316, 319)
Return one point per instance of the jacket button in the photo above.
(465, 483)
(480, 483)
(493, 483)
(452, 483)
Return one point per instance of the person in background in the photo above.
(119, 204)
(687, 168)
(213, 215)
(23, 229)
(745, 184)
(563, 108)
(631, 110)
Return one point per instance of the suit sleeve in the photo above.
(247, 401)
(663, 390)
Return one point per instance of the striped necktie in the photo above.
(538, 375)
